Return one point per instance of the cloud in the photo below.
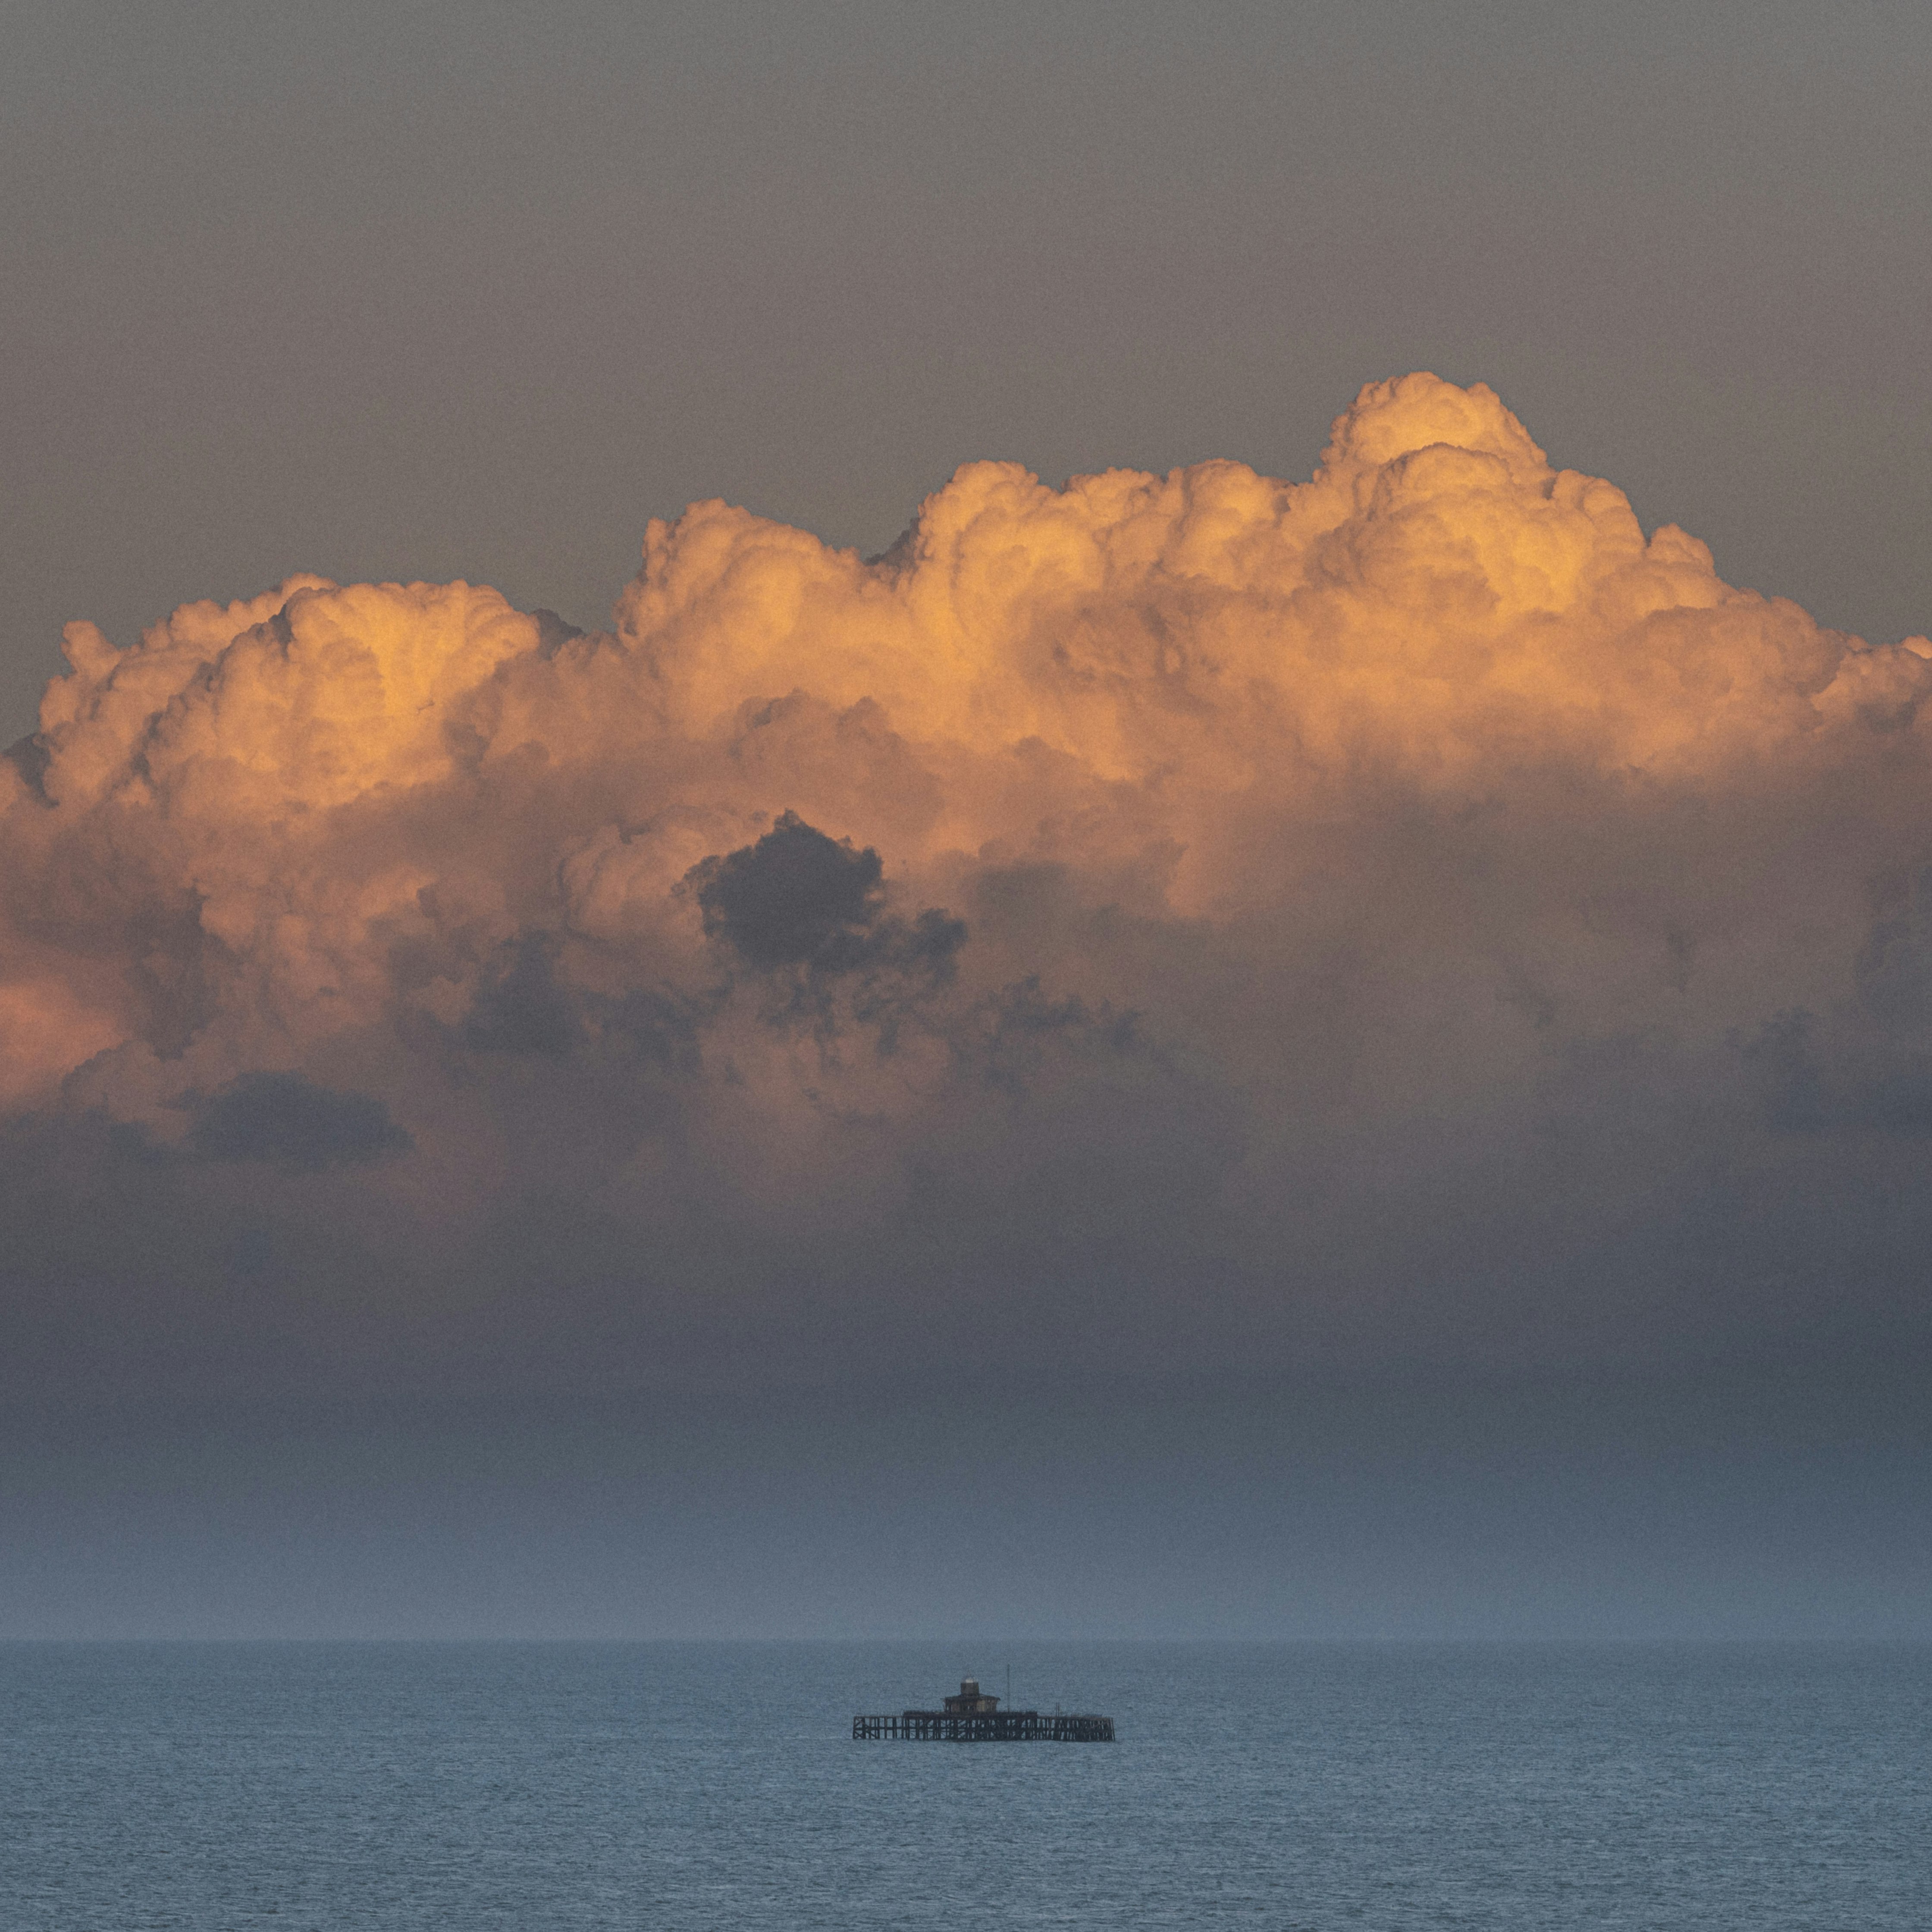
(1188, 918)
(794, 898)
(810, 907)
(287, 1119)
(519, 1006)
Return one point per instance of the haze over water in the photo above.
(551, 1787)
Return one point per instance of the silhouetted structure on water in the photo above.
(972, 1717)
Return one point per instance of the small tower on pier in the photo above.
(971, 1701)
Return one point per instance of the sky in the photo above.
(858, 820)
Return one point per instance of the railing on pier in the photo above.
(994, 1727)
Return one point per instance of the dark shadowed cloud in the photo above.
(796, 898)
(288, 1119)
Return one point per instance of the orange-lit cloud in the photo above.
(1200, 860)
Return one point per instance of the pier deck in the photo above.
(995, 1727)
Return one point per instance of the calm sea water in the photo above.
(466, 1786)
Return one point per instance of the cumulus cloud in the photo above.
(1171, 917)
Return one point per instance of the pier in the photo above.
(972, 1717)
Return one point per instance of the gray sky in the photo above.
(1374, 1042)
(426, 290)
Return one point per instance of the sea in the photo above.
(540, 1786)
